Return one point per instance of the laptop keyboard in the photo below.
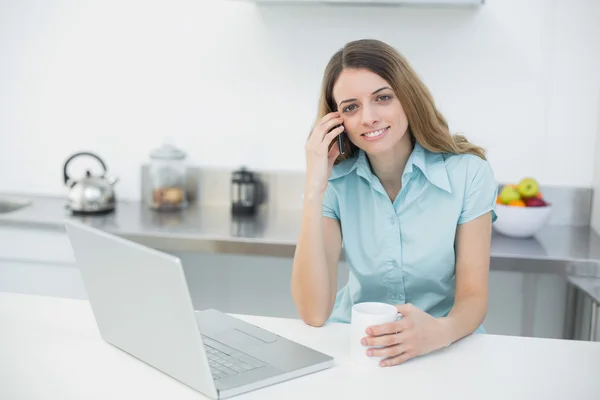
(226, 361)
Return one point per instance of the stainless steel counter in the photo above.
(271, 233)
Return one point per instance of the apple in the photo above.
(528, 187)
(508, 194)
(535, 202)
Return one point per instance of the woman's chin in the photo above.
(387, 144)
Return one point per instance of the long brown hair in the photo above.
(426, 124)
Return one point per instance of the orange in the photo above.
(498, 201)
(517, 203)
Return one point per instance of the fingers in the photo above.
(406, 309)
(331, 126)
(324, 126)
(391, 351)
(389, 328)
(329, 117)
(334, 152)
(395, 349)
(384, 340)
(333, 134)
(405, 355)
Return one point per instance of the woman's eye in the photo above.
(350, 108)
(384, 97)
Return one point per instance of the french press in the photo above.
(247, 192)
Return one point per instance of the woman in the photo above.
(412, 204)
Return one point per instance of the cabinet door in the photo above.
(256, 285)
(54, 280)
(526, 304)
(505, 307)
(35, 245)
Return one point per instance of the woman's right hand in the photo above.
(319, 159)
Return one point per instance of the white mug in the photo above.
(365, 315)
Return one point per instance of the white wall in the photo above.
(235, 83)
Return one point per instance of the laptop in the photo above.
(142, 305)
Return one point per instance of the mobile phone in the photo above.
(340, 140)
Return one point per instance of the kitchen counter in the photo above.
(51, 348)
(591, 286)
(272, 233)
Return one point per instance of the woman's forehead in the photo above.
(353, 83)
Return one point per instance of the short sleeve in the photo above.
(330, 204)
(480, 193)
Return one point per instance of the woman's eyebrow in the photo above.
(375, 92)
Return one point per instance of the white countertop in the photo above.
(50, 348)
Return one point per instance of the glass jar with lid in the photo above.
(168, 178)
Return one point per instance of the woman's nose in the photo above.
(369, 116)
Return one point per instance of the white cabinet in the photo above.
(38, 261)
(53, 280)
(244, 284)
(520, 303)
(35, 245)
(526, 304)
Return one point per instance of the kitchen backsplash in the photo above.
(212, 187)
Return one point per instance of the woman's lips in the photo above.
(375, 135)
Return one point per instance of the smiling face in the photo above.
(373, 116)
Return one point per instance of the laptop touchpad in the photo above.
(235, 337)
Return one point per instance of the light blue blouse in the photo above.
(403, 251)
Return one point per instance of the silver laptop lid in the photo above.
(142, 304)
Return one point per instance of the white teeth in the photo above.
(374, 133)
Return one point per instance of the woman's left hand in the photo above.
(417, 333)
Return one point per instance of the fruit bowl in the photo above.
(521, 222)
(521, 209)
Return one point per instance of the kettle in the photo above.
(247, 192)
(91, 194)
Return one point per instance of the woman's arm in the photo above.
(314, 270)
(472, 245)
(315, 266)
